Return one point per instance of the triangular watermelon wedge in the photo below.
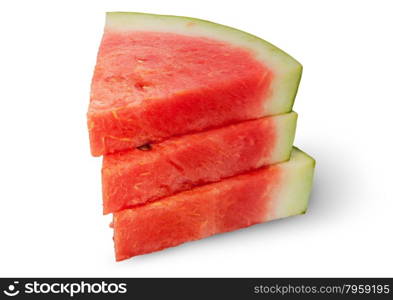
(159, 76)
(269, 193)
(134, 177)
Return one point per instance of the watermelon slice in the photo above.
(272, 192)
(137, 176)
(159, 76)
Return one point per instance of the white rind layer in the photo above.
(285, 126)
(286, 69)
(296, 183)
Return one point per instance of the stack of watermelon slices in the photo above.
(195, 123)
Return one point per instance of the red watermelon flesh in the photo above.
(159, 76)
(134, 177)
(271, 192)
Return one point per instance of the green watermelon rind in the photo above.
(288, 71)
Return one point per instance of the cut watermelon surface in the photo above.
(161, 76)
(134, 177)
(271, 192)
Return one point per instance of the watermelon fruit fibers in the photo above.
(159, 76)
(134, 177)
(271, 192)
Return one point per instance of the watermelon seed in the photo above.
(137, 186)
(141, 86)
(145, 147)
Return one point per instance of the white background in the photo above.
(50, 199)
